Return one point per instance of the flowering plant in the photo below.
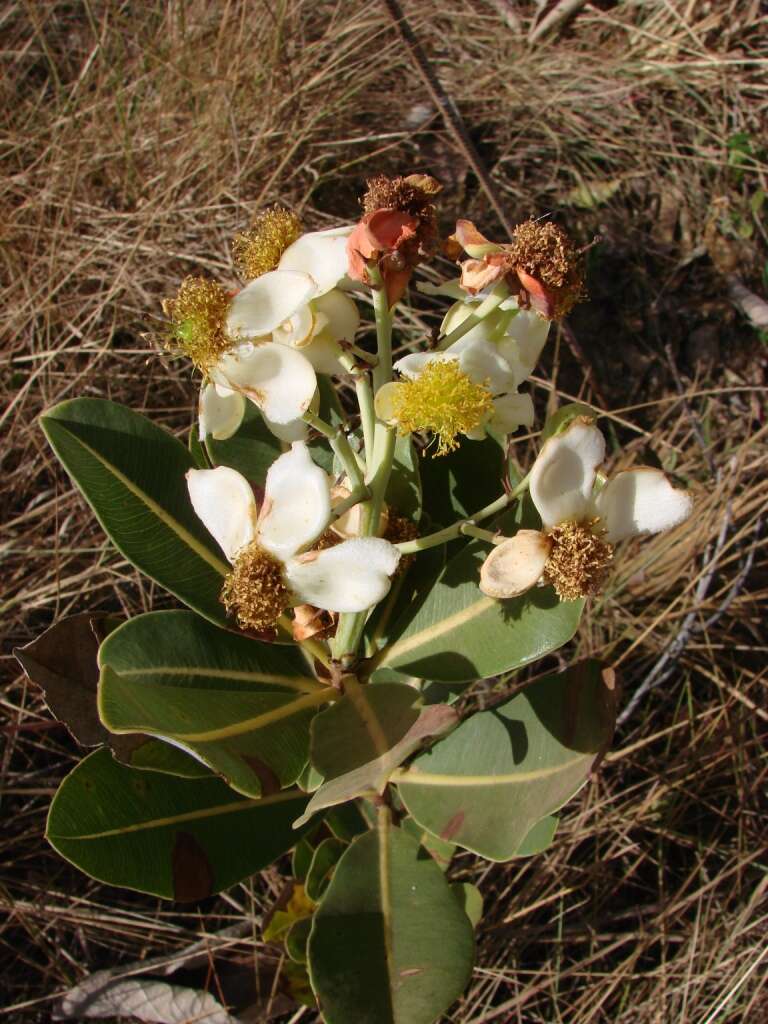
(342, 596)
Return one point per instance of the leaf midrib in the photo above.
(168, 520)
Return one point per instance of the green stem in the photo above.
(341, 447)
(468, 530)
(364, 401)
(382, 372)
(494, 300)
(379, 457)
(359, 494)
(463, 526)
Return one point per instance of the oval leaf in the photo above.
(241, 706)
(132, 474)
(177, 838)
(457, 634)
(488, 784)
(390, 943)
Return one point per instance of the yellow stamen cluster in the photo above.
(197, 318)
(578, 562)
(442, 400)
(544, 251)
(258, 250)
(255, 590)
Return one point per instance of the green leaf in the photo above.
(539, 837)
(346, 821)
(251, 450)
(488, 784)
(157, 756)
(176, 838)
(241, 706)
(465, 480)
(297, 938)
(357, 743)
(457, 634)
(558, 421)
(390, 943)
(196, 450)
(63, 662)
(440, 850)
(132, 473)
(321, 869)
(470, 899)
(404, 487)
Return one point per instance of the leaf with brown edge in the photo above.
(62, 663)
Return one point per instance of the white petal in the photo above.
(641, 500)
(323, 354)
(524, 339)
(266, 302)
(515, 565)
(297, 330)
(321, 254)
(297, 503)
(224, 500)
(277, 378)
(483, 364)
(294, 430)
(220, 415)
(413, 365)
(510, 412)
(350, 577)
(563, 474)
(342, 313)
(385, 401)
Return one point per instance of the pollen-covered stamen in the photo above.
(197, 317)
(255, 590)
(546, 253)
(578, 562)
(258, 250)
(442, 400)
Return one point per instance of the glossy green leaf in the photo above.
(457, 634)
(132, 473)
(324, 861)
(460, 483)
(196, 450)
(404, 487)
(297, 938)
(440, 850)
(488, 784)
(357, 743)
(347, 821)
(539, 837)
(177, 838)
(390, 943)
(241, 706)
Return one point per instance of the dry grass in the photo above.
(137, 139)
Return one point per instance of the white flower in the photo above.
(575, 547)
(482, 396)
(264, 545)
(322, 255)
(298, 308)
